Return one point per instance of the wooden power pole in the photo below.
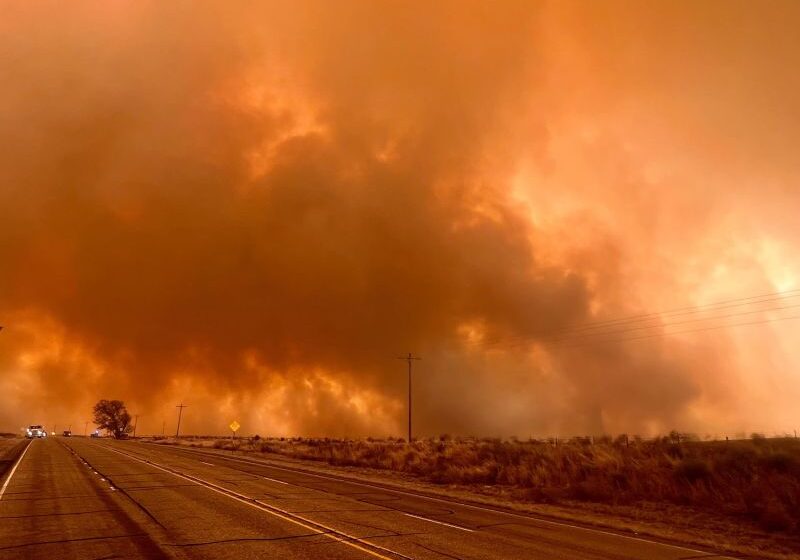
(410, 359)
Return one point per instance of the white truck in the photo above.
(35, 431)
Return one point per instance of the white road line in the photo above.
(273, 480)
(274, 510)
(532, 518)
(209, 464)
(11, 474)
(440, 522)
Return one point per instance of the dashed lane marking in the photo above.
(440, 522)
(275, 480)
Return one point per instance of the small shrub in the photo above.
(692, 470)
(775, 517)
(675, 450)
(593, 489)
(780, 461)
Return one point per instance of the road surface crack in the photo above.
(439, 552)
(53, 514)
(250, 539)
(65, 541)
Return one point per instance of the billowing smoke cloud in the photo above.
(255, 209)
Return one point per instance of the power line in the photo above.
(659, 335)
(565, 339)
(693, 308)
(663, 325)
(648, 317)
(699, 309)
(578, 334)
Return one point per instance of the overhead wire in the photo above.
(655, 316)
(716, 327)
(772, 296)
(581, 333)
(695, 320)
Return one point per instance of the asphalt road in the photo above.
(76, 498)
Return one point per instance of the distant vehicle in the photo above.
(35, 431)
(67, 433)
(96, 433)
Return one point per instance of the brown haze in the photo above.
(256, 207)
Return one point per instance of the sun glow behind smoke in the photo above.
(259, 213)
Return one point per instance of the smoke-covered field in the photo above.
(254, 208)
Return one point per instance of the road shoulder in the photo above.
(10, 450)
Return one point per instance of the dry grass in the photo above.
(757, 480)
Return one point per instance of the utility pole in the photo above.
(163, 427)
(180, 408)
(135, 423)
(85, 427)
(410, 358)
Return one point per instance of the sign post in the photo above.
(234, 426)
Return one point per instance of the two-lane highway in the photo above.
(88, 498)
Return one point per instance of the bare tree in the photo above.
(113, 416)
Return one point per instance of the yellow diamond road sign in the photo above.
(234, 426)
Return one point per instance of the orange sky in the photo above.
(255, 207)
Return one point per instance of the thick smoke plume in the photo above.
(255, 208)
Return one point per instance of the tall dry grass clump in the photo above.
(758, 479)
